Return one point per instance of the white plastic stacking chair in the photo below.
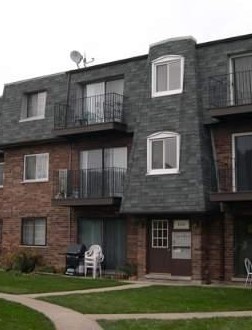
(248, 266)
(93, 259)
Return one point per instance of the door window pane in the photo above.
(243, 164)
(115, 86)
(242, 79)
(90, 232)
(114, 243)
(159, 232)
(110, 234)
(242, 244)
(115, 157)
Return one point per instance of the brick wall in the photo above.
(21, 200)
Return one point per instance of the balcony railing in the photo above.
(232, 89)
(98, 109)
(230, 180)
(90, 183)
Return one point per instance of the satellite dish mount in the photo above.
(76, 57)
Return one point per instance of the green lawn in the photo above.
(34, 283)
(158, 299)
(204, 324)
(17, 317)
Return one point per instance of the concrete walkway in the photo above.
(66, 319)
(63, 318)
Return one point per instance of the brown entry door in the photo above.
(159, 247)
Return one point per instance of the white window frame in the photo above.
(47, 170)
(166, 60)
(2, 164)
(234, 159)
(24, 115)
(162, 136)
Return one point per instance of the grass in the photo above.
(194, 324)
(18, 283)
(158, 299)
(17, 317)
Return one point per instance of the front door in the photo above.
(159, 246)
(170, 247)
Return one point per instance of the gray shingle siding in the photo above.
(171, 193)
(185, 113)
(36, 130)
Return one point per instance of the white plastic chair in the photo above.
(93, 259)
(248, 266)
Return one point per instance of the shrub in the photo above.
(22, 261)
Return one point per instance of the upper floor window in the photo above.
(1, 174)
(33, 231)
(36, 167)
(33, 106)
(167, 75)
(163, 153)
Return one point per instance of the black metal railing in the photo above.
(232, 89)
(233, 180)
(90, 183)
(105, 108)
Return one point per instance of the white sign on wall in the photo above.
(181, 224)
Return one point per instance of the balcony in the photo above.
(88, 187)
(230, 94)
(233, 185)
(90, 114)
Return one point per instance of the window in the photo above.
(36, 167)
(159, 234)
(167, 75)
(33, 106)
(163, 153)
(33, 231)
(1, 174)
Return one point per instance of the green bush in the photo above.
(21, 261)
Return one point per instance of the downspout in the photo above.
(70, 213)
(221, 204)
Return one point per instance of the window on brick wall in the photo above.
(163, 151)
(167, 75)
(36, 167)
(1, 174)
(33, 106)
(33, 231)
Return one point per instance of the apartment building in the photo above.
(130, 155)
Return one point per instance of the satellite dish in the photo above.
(76, 57)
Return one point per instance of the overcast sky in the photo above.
(37, 36)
